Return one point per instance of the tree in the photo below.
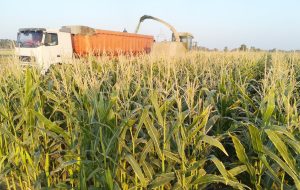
(243, 47)
(226, 49)
(7, 44)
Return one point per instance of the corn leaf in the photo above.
(281, 147)
(255, 139)
(52, 126)
(237, 170)
(220, 167)
(213, 142)
(210, 179)
(154, 101)
(195, 130)
(136, 168)
(154, 134)
(270, 99)
(294, 174)
(161, 180)
(240, 150)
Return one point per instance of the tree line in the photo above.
(7, 44)
(242, 48)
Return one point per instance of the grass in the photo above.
(206, 121)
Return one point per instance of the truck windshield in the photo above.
(30, 39)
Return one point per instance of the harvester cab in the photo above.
(185, 38)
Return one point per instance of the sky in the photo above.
(264, 24)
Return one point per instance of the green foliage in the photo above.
(206, 121)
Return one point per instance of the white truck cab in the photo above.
(43, 47)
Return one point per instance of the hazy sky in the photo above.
(215, 23)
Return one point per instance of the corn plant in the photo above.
(208, 120)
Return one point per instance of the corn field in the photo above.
(206, 121)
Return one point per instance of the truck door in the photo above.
(51, 50)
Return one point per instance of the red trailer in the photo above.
(97, 42)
